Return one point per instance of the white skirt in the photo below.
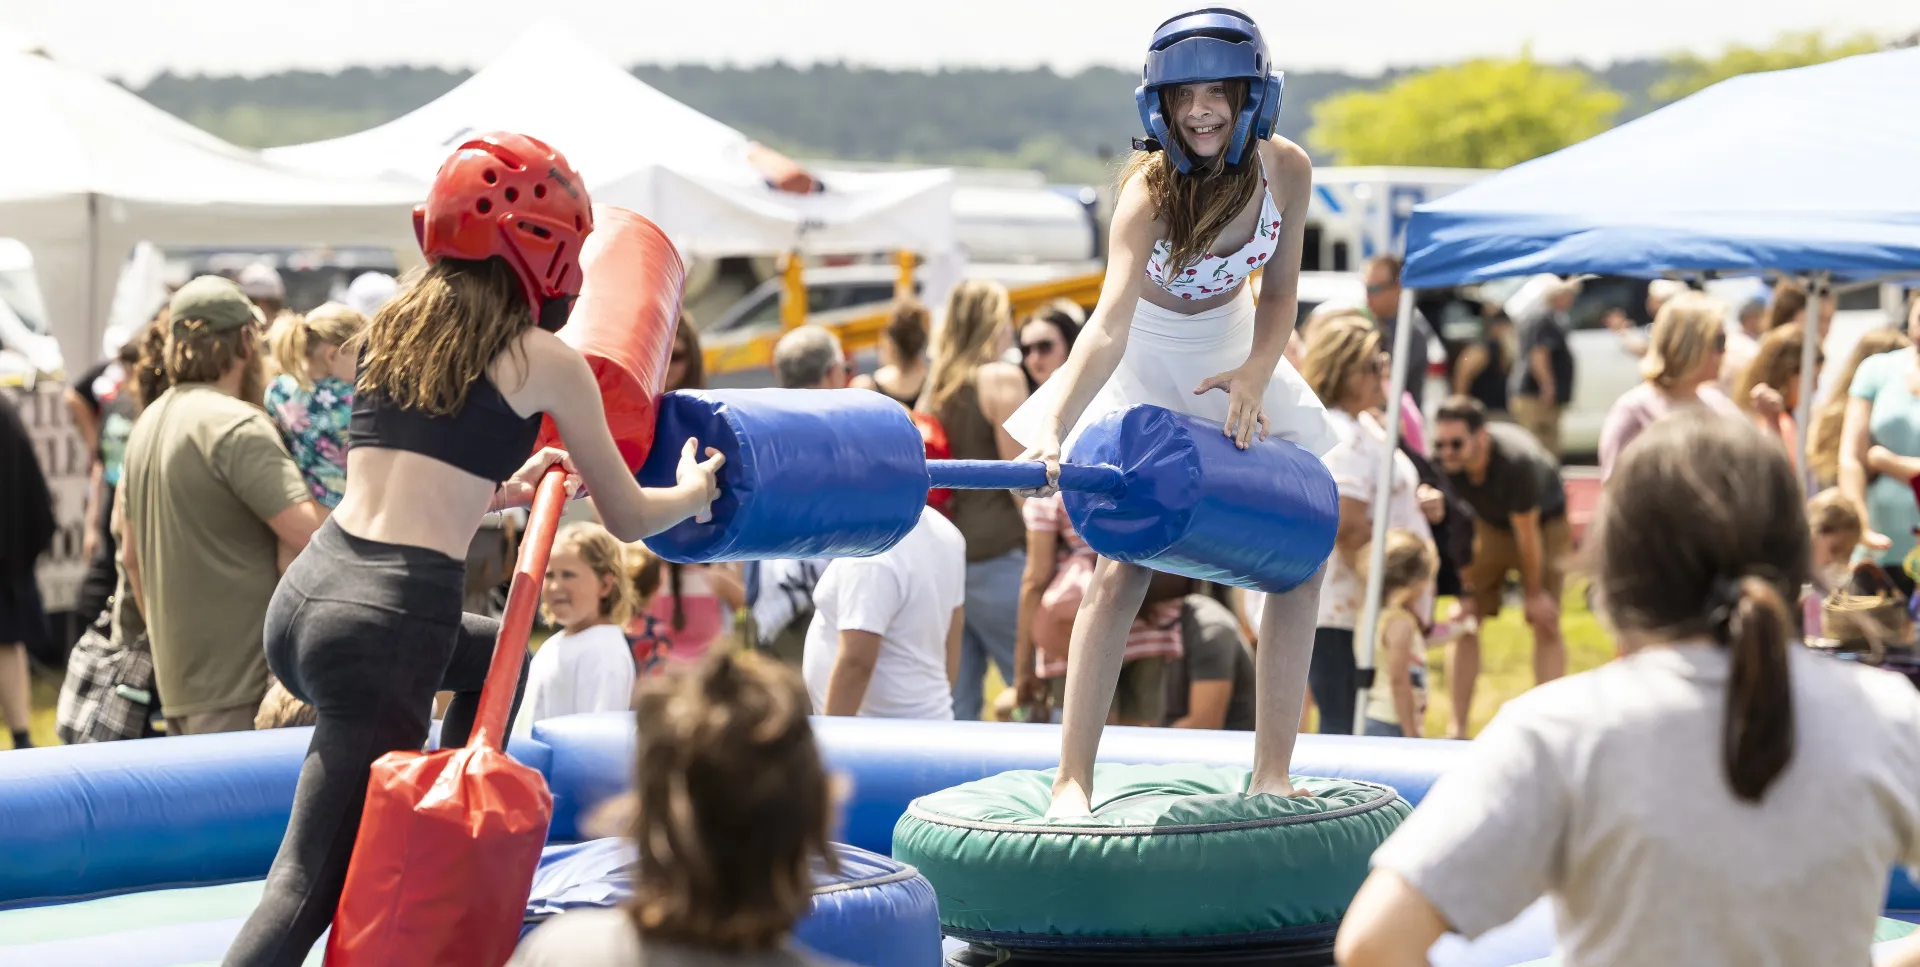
(1168, 354)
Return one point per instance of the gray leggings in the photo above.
(365, 632)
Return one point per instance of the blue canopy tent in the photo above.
(1813, 171)
(1808, 170)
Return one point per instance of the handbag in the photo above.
(108, 691)
(1873, 619)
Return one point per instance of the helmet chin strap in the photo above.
(554, 312)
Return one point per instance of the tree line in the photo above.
(1496, 111)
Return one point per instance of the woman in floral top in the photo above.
(312, 398)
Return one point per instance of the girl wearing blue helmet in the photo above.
(1211, 200)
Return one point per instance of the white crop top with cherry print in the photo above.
(1214, 274)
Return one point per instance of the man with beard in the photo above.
(211, 511)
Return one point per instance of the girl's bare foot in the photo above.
(1069, 799)
(1281, 786)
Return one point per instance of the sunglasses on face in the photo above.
(1037, 346)
(679, 356)
(1449, 444)
(1720, 342)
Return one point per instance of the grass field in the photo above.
(1506, 668)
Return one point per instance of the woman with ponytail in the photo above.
(726, 750)
(1719, 795)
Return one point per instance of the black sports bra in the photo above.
(485, 438)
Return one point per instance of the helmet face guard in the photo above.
(1210, 44)
(511, 196)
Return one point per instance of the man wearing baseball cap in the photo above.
(211, 510)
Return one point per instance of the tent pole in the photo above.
(1382, 494)
(1809, 351)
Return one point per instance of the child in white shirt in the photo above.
(587, 666)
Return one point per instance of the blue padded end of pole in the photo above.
(1262, 518)
(809, 473)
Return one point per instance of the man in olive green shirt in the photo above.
(211, 510)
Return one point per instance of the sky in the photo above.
(134, 39)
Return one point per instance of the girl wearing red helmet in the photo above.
(1213, 201)
(455, 373)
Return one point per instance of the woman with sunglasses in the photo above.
(1348, 367)
(1681, 368)
(1047, 338)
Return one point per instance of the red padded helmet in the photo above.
(513, 196)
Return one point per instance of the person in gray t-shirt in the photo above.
(1210, 686)
(1721, 795)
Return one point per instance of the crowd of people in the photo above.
(263, 404)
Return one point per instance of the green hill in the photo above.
(1069, 126)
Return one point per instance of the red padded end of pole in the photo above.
(623, 324)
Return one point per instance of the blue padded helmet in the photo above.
(1210, 44)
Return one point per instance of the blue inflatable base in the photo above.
(873, 912)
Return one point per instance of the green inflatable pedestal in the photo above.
(1174, 857)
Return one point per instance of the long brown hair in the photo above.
(1788, 302)
(976, 311)
(686, 340)
(148, 371)
(733, 804)
(1702, 532)
(1196, 206)
(1823, 443)
(426, 348)
(1776, 363)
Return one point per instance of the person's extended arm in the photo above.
(560, 384)
(956, 627)
(1856, 439)
(1274, 316)
(1526, 537)
(1540, 607)
(86, 420)
(1206, 705)
(728, 585)
(1034, 580)
(129, 555)
(1541, 362)
(1473, 359)
(1355, 530)
(1397, 665)
(852, 670)
(1389, 924)
(1900, 953)
(293, 527)
(1097, 350)
(1002, 388)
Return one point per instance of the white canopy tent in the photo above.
(640, 149)
(92, 169)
